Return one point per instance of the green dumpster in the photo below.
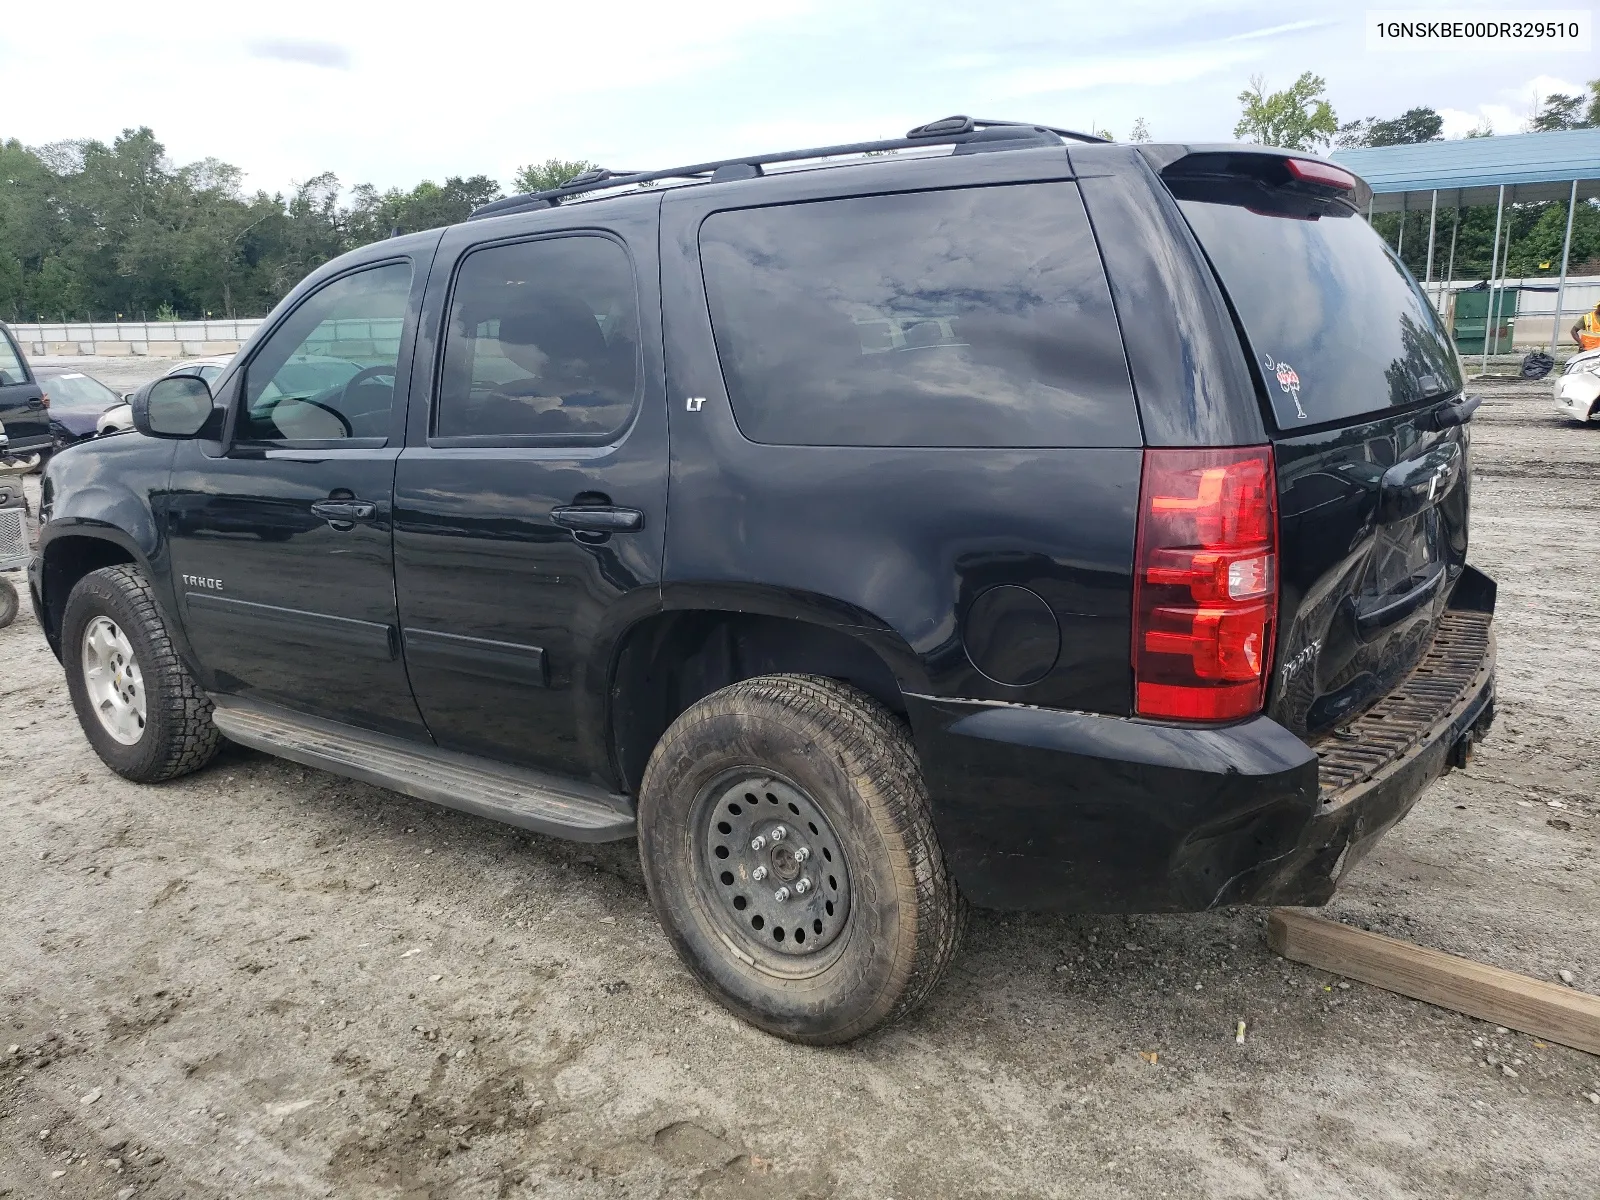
(1471, 320)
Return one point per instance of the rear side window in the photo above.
(1337, 325)
(978, 317)
(543, 342)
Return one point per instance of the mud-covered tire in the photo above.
(847, 759)
(178, 735)
(10, 602)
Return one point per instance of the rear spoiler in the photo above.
(1277, 182)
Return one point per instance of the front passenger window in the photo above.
(10, 365)
(328, 372)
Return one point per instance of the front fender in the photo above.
(99, 508)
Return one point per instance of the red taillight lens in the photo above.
(1205, 593)
(1309, 170)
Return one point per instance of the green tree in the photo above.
(551, 173)
(1410, 127)
(1140, 132)
(1563, 111)
(1298, 118)
(376, 215)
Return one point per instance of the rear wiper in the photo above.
(1458, 412)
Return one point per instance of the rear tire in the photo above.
(798, 763)
(141, 710)
(10, 603)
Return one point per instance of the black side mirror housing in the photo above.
(175, 406)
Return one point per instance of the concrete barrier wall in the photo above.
(199, 339)
(159, 339)
(177, 339)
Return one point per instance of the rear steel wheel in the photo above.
(789, 852)
(772, 868)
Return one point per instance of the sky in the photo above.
(394, 93)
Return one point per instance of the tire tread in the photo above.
(189, 738)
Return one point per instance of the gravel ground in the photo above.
(263, 980)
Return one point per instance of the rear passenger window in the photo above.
(978, 317)
(543, 343)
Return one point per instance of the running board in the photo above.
(520, 796)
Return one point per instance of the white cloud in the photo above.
(1514, 109)
(392, 94)
(301, 50)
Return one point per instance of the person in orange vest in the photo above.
(1587, 331)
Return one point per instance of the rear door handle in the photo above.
(345, 512)
(598, 518)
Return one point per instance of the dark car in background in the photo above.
(75, 401)
(22, 403)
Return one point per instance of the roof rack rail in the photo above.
(959, 131)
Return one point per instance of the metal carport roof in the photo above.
(1531, 166)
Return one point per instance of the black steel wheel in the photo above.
(772, 869)
(789, 852)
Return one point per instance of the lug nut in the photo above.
(781, 895)
(802, 885)
(758, 843)
(801, 853)
(758, 874)
(779, 833)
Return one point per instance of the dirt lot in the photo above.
(267, 981)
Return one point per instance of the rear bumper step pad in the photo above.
(1400, 720)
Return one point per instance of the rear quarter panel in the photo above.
(893, 542)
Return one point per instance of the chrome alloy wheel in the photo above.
(772, 866)
(113, 680)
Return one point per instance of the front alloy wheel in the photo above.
(112, 678)
(144, 714)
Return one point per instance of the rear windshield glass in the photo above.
(1337, 324)
(978, 317)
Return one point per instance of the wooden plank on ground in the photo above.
(1547, 1010)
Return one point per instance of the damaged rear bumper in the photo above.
(1044, 809)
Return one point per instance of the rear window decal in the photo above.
(1288, 381)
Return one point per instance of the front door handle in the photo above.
(341, 514)
(598, 518)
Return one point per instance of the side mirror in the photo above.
(177, 406)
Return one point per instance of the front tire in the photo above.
(789, 852)
(10, 602)
(141, 710)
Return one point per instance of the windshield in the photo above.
(78, 393)
(1337, 325)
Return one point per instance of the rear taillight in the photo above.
(1311, 170)
(1205, 592)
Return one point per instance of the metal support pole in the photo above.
(1369, 210)
(1561, 288)
(1400, 242)
(1450, 271)
(1433, 214)
(1494, 253)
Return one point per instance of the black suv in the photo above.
(24, 408)
(988, 515)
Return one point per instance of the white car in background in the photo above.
(119, 419)
(1578, 387)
